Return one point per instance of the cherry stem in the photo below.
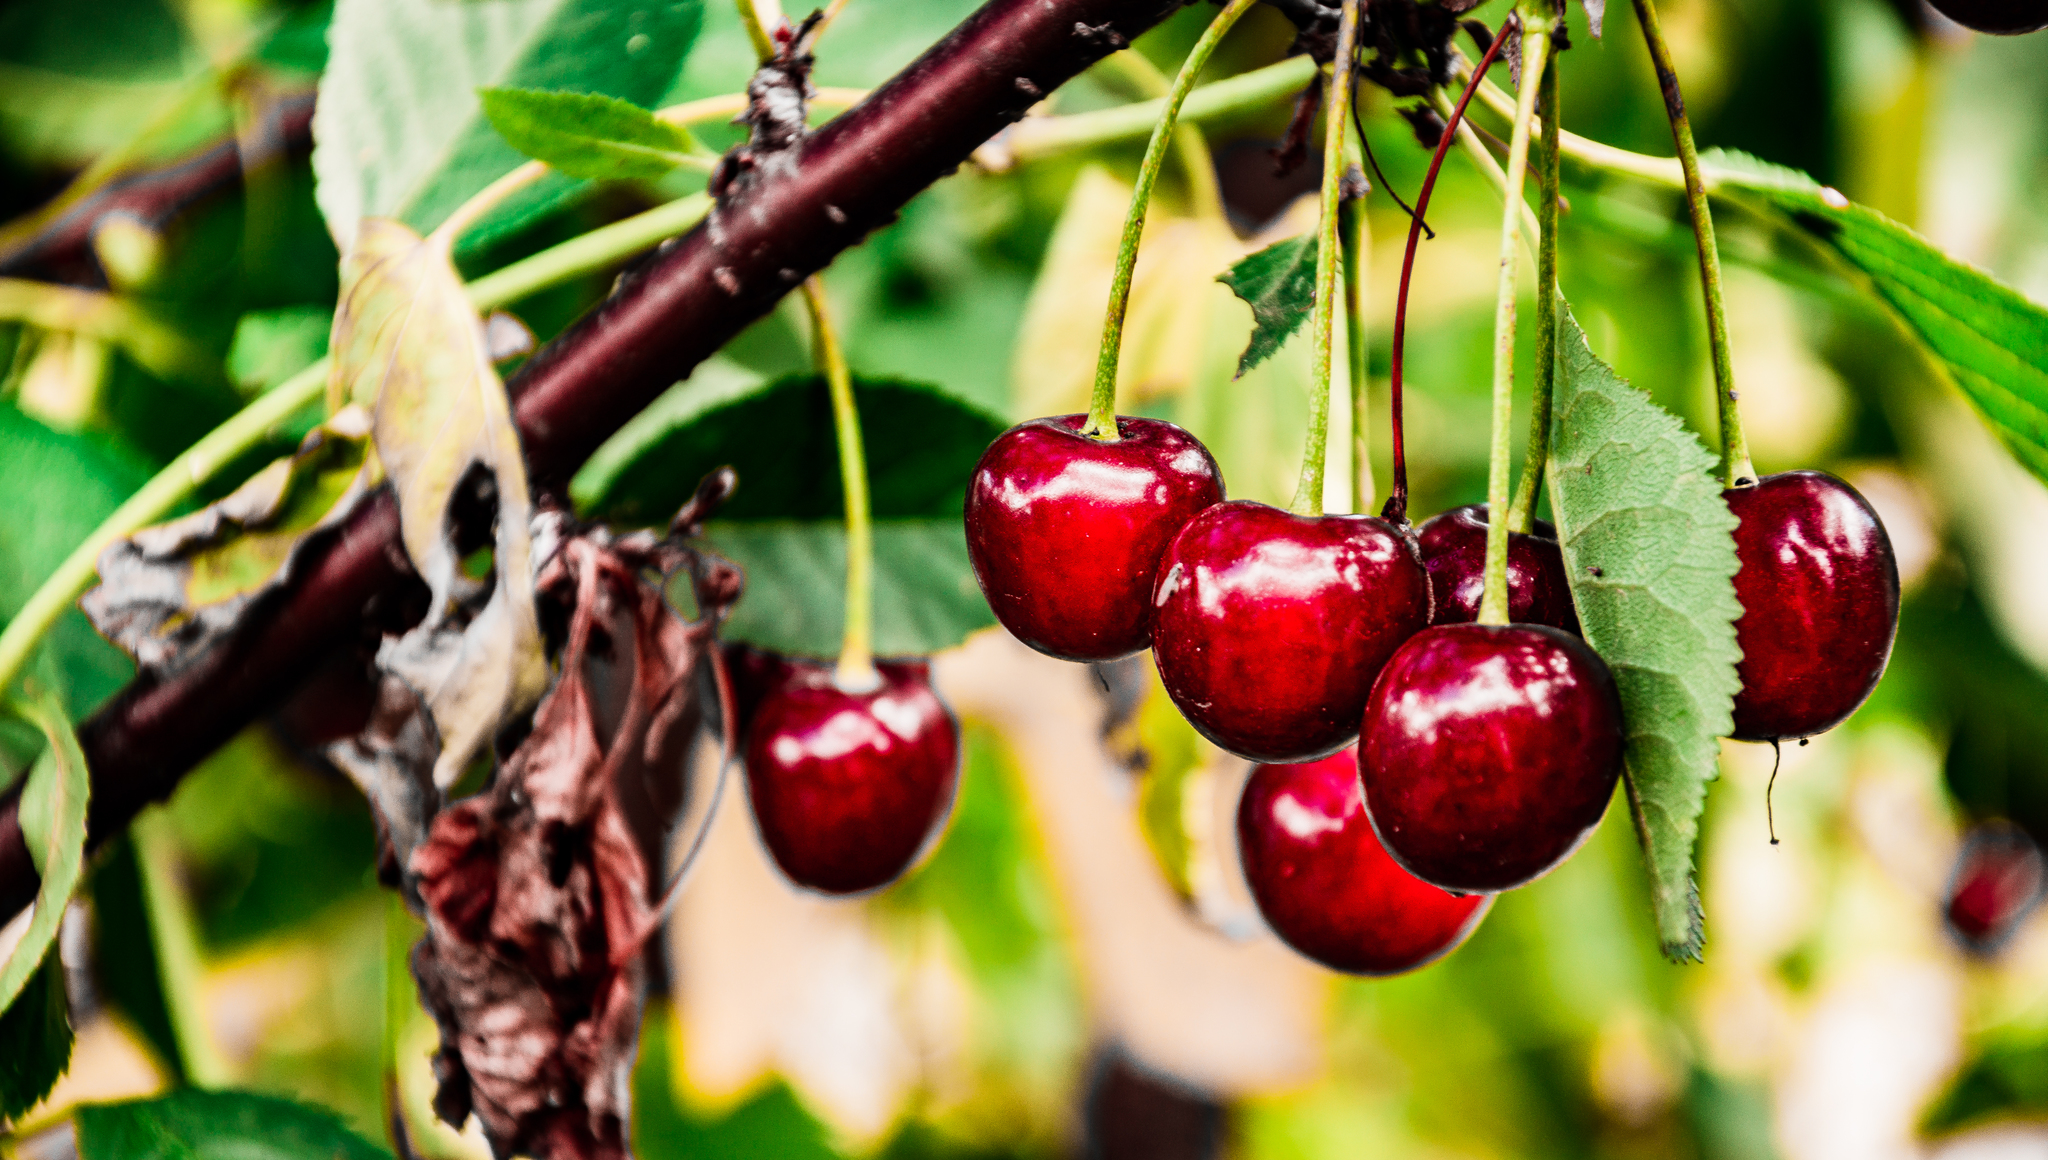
(1356, 230)
(1736, 469)
(1308, 496)
(1397, 498)
(1205, 193)
(1522, 515)
(856, 672)
(1493, 604)
(761, 18)
(1101, 422)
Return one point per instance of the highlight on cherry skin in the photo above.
(1819, 589)
(1490, 753)
(1326, 885)
(1453, 546)
(850, 787)
(1065, 531)
(1268, 628)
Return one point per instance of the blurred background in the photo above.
(1076, 969)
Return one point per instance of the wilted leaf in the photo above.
(1992, 340)
(53, 827)
(168, 592)
(1649, 548)
(591, 135)
(1279, 284)
(408, 344)
(200, 1125)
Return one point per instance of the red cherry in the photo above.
(1490, 752)
(1268, 628)
(1454, 550)
(1820, 603)
(1065, 531)
(1325, 884)
(1998, 881)
(850, 788)
(1998, 17)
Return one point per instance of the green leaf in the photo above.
(591, 135)
(400, 131)
(1649, 548)
(1279, 284)
(205, 1125)
(35, 1039)
(1991, 339)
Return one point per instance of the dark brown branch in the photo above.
(772, 229)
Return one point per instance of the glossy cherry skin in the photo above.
(1490, 752)
(1820, 603)
(1325, 884)
(1454, 550)
(1268, 628)
(1065, 531)
(849, 788)
(1998, 17)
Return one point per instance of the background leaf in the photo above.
(191, 1123)
(590, 135)
(401, 132)
(35, 1038)
(1279, 284)
(1650, 552)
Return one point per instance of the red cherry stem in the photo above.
(1397, 498)
(1308, 495)
(1101, 422)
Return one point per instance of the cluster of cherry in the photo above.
(1412, 763)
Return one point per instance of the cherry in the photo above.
(1998, 881)
(1454, 549)
(1820, 603)
(1268, 628)
(1490, 752)
(849, 788)
(1065, 531)
(1999, 17)
(1325, 884)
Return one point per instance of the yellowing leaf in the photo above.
(408, 344)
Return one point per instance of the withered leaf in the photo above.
(167, 592)
(408, 345)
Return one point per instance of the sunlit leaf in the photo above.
(408, 345)
(1279, 284)
(1650, 552)
(591, 135)
(193, 1124)
(53, 827)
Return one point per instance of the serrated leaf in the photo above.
(591, 135)
(168, 592)
(1649, 548)
(400, 131)
(1279, 284)
(192, 1124)
(409, 345)
(1992, 340)
(53, 827)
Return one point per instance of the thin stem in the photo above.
(1397, 498)
(760, 18)
(1039, 137)
(1308, 495)
(1101, 423)
(856, 651)
(1493, 603)
(1482, 159)
(1522, 515)
(1356, 229)
(1190, 147)
(1736, 469)
(588, 253)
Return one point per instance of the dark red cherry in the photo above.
(1325, 884)
(1999, 17)
(1998, 881)
(1268, 628)
(1065, 531)
(1454, 550)
(1820, 603)
(1490, 752)
(849, 788)
(753, 673)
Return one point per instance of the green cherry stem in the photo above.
(1735, 465)
(1101, 423)
(1522, 515)
(1493, 603)
(1356, 230)
(1308, 497)
(856, 672)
